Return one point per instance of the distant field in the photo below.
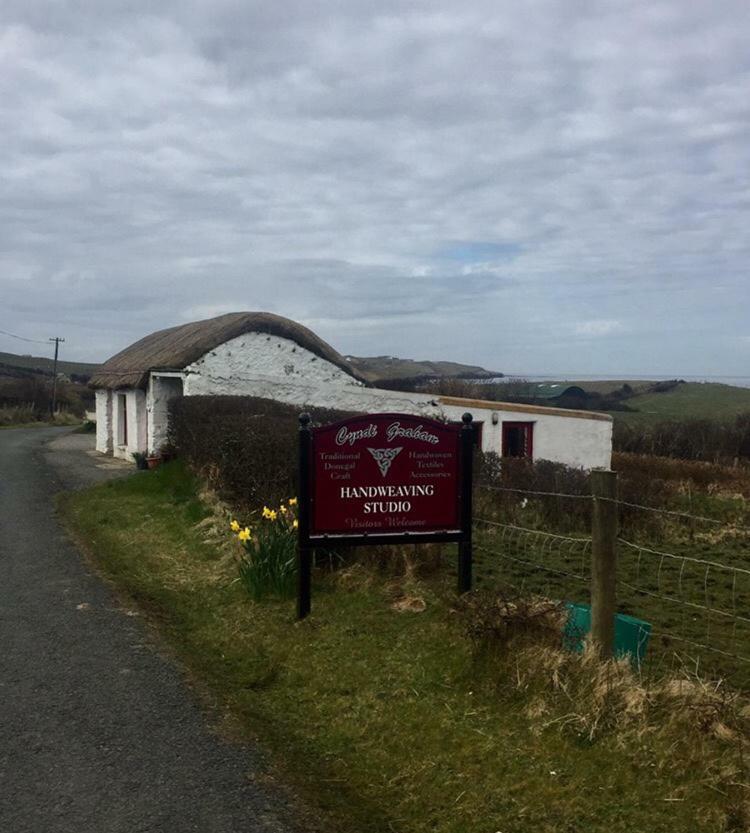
(605, 386)
(692, 400)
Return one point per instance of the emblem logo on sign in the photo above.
(384, 457)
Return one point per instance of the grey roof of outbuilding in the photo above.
(177, 347)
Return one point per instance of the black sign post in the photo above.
(427, 463)
(304, 550)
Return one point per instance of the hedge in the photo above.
(245, 447)
(710, 441)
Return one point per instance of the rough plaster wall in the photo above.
(583, 443)
(160, 390)
(241, 363)
(104, 421)
(276, 368)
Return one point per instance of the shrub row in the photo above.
(245, 447)
(658, 482)
(694, 439)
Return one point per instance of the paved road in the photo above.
(98, 732)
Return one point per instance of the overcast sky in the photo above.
(535, 187)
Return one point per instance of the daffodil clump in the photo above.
(267, 565)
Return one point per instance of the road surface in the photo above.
(98, 732)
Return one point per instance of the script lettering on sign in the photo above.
(385, 474)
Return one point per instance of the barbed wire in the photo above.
(532, 492)
(687, 515)
(618, 501)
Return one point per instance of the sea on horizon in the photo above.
(736, 381)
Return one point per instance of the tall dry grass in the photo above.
(673, 721)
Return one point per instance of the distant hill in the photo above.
(376, 369)
(38, 364)
(384, 369)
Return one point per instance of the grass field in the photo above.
(692, 400)
(695, 594)
(388, 721)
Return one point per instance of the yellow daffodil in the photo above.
(244, 534)
(295, 524)
(292, 501)
(267, 513)
(272, 515)
(283, 509)
(234, 526)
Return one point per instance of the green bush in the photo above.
(710, 441)
(245, 447)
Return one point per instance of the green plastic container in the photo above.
(631, 634)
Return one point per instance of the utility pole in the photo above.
(57, 341)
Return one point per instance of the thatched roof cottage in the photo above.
(266, 355)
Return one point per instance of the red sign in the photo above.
(385, 474)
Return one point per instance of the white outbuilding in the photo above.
(264, 355)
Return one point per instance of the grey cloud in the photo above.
(319, 160)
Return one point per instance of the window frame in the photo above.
(527, 427)
(122, 419)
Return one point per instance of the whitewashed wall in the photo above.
(103, 401)
(161, 388)
(578, 441)
(135, 403)
(267, 366)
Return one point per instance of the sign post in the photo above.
(384, 479)
(304, 551)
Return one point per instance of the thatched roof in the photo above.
(177, 347)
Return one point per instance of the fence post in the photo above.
(603, 560)
(467, 519)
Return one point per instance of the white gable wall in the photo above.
(251, 362)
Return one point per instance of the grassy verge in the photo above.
(382, 720)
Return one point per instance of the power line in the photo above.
(23, 338)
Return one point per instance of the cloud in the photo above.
(428, 179)
(600, 327)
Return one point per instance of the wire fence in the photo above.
(695, 594)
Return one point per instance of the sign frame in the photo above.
(307, 540)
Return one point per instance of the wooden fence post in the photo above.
(603, 560)
(465, 555)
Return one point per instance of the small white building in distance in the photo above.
(265, 355)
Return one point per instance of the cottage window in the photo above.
(518, 439)
(122, 419)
